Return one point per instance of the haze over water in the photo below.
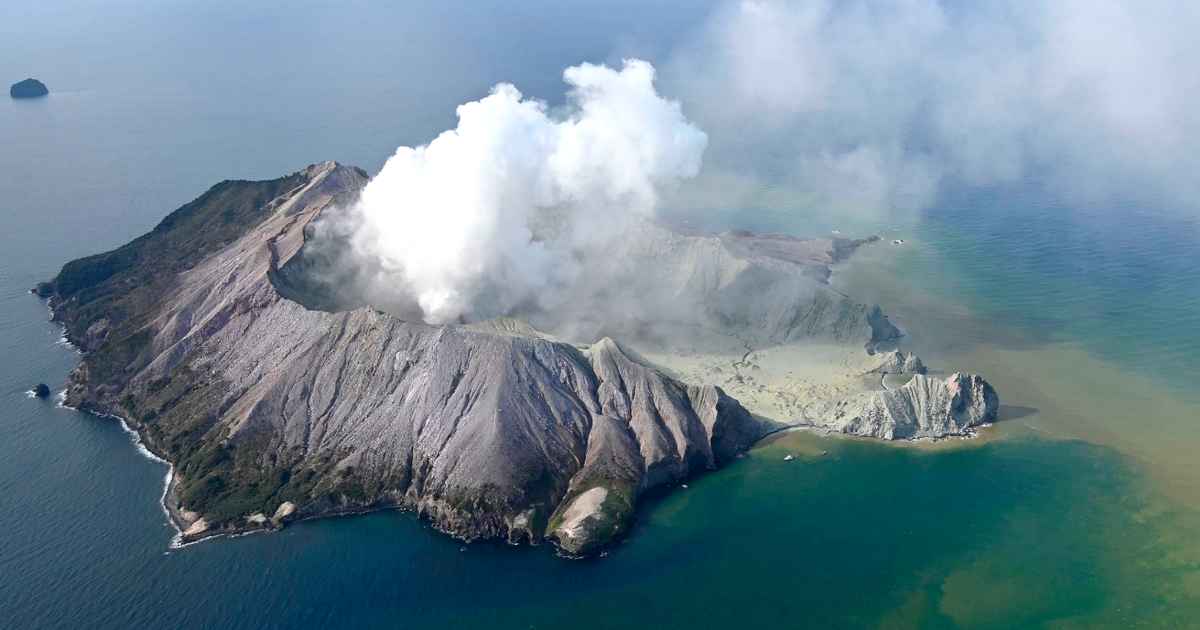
(1078, 510)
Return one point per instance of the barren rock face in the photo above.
(925, 407)
(899, 362)
(268, 407)
(273, 393)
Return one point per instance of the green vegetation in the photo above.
(226, 480)
(607, 523)
(114, 294)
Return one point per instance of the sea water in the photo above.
(1076, 510)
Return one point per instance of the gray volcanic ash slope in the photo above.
(216, 339)
(260, 401)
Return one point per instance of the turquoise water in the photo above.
(854, 537)
(1017, 531)
(1121, 280)
(864, 534)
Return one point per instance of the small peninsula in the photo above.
(219, 338)
(28, 88)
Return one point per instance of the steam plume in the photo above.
(496, 213)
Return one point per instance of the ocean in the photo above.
(1078, 509)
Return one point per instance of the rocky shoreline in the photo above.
(185, 523)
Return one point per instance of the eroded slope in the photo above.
(262, 403)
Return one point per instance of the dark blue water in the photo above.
(152, 105)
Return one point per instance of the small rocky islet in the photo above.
(28, 88)
(212, 339)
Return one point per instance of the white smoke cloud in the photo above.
(498, 212)
(874, 105)
(833, 107)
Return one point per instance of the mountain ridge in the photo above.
(271, 411)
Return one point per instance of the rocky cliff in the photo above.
(277, 397)
(925, 407)
(898, 362)
(261, 403)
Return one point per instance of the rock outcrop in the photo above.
(28, 88)
(41, 390)
(898, 362)
(925, 407)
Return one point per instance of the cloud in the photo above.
(502, 211)
(873, 106)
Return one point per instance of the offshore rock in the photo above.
(28, 88)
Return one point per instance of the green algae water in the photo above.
(1077, 510)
